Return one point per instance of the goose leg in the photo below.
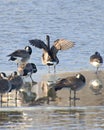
(74, 95)
(48, 69)
(7, 99)
(70, 94)
(1, 100)
(70, 97)
(97, 70)
(16, 98)
(31, 78)
(75, 98)
(54, 68)
(33, 82)
(74, 102)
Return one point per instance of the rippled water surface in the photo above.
(46, 118)
(78, 21)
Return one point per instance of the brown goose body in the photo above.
(74, 83)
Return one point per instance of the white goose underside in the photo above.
(20, 60)
(46, 61)
(51, 63)
(96, 64)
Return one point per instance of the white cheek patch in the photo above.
(2, 75)
(27, 48)
(78, 76)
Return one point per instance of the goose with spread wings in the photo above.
(49, 56)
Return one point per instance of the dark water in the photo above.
(78, 21)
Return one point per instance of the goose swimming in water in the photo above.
(21, 55)
(96, 60)
(49, 56)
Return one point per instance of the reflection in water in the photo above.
(44, 93)
(96, 86)
(26, 94)
(43, 111)
(10, 118)
(37, 93)
(47, 118)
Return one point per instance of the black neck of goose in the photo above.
(48, 41)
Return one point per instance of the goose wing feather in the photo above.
(39, 44)
(61, 44)
(19, 53)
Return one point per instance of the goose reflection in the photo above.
(52, 95)
(26, 93)
(96, 86)
(44, 94)
(49, 92)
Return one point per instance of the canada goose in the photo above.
(75, 83)
(5, 85)
(27, 70)
(49, 56)
(16, 82)
(96, 60)
(21, 55)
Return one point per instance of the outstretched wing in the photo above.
(61, 44)
(39, 44)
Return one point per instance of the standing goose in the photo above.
(49, 56)
(29, 69)
(16, 82)
(5, 85)
(75, 83)
(96, 60)
(21, 55)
